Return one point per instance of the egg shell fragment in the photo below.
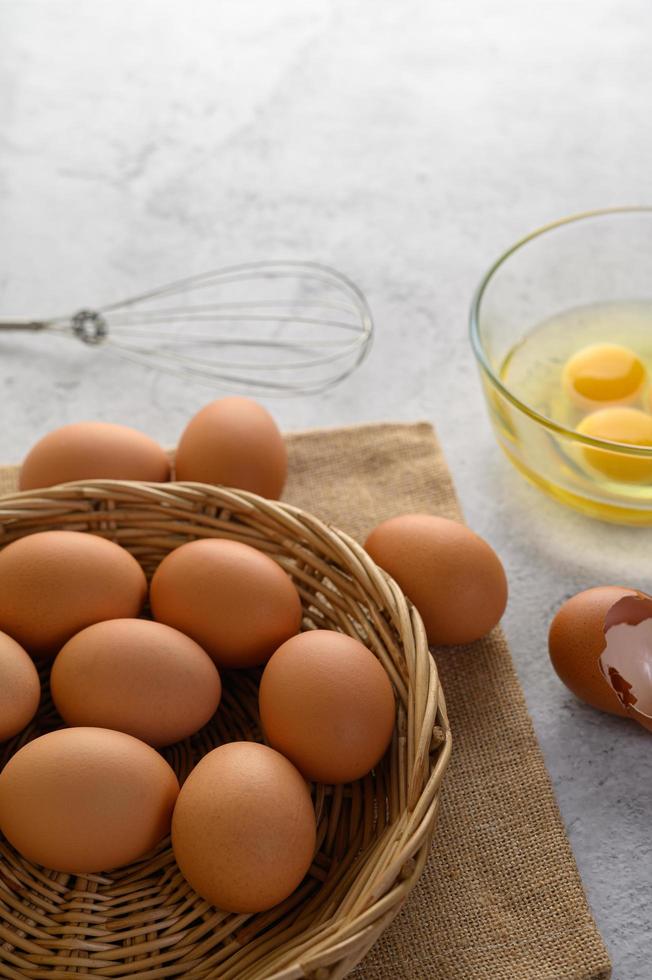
(138, 677)
(234, 442)
(83, 800)
(244, 830)
(90, 451)
(55, 583)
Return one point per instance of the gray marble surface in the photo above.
(405, 143)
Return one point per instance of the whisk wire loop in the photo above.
(296, 327)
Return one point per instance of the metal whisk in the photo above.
(271, 328)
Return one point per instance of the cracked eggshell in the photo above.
(626, 661)
(576, 640)
(90, 451)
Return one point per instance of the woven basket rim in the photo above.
(391, 865)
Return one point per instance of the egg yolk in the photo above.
(617, 424)
(603, 373)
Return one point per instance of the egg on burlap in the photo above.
(83, 800)
(92, 451)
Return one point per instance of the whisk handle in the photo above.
(20, 323)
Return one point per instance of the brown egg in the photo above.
(55, 583)
(576, 640)
(136, 676)
(243, 831)
(93, 450)
(83, 800)
(234, 442)
(235, 601)
(20, 688)
(453, 577)
(328, 705)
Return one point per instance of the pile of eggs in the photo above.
(98, 794)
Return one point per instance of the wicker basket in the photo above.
(144, 922)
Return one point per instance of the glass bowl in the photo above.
(596, 264)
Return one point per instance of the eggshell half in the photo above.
(93, 450)
(235, 442)
(575, 641)
(243, 831)
(20, 688)
(55, 583)
(235, 601)
(136, 676)
(328, 705)
(83, 800)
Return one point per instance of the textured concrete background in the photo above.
(406, 143)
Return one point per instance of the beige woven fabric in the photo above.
(501, 898)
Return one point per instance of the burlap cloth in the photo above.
(500, 898)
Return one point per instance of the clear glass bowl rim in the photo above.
(480, 354)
